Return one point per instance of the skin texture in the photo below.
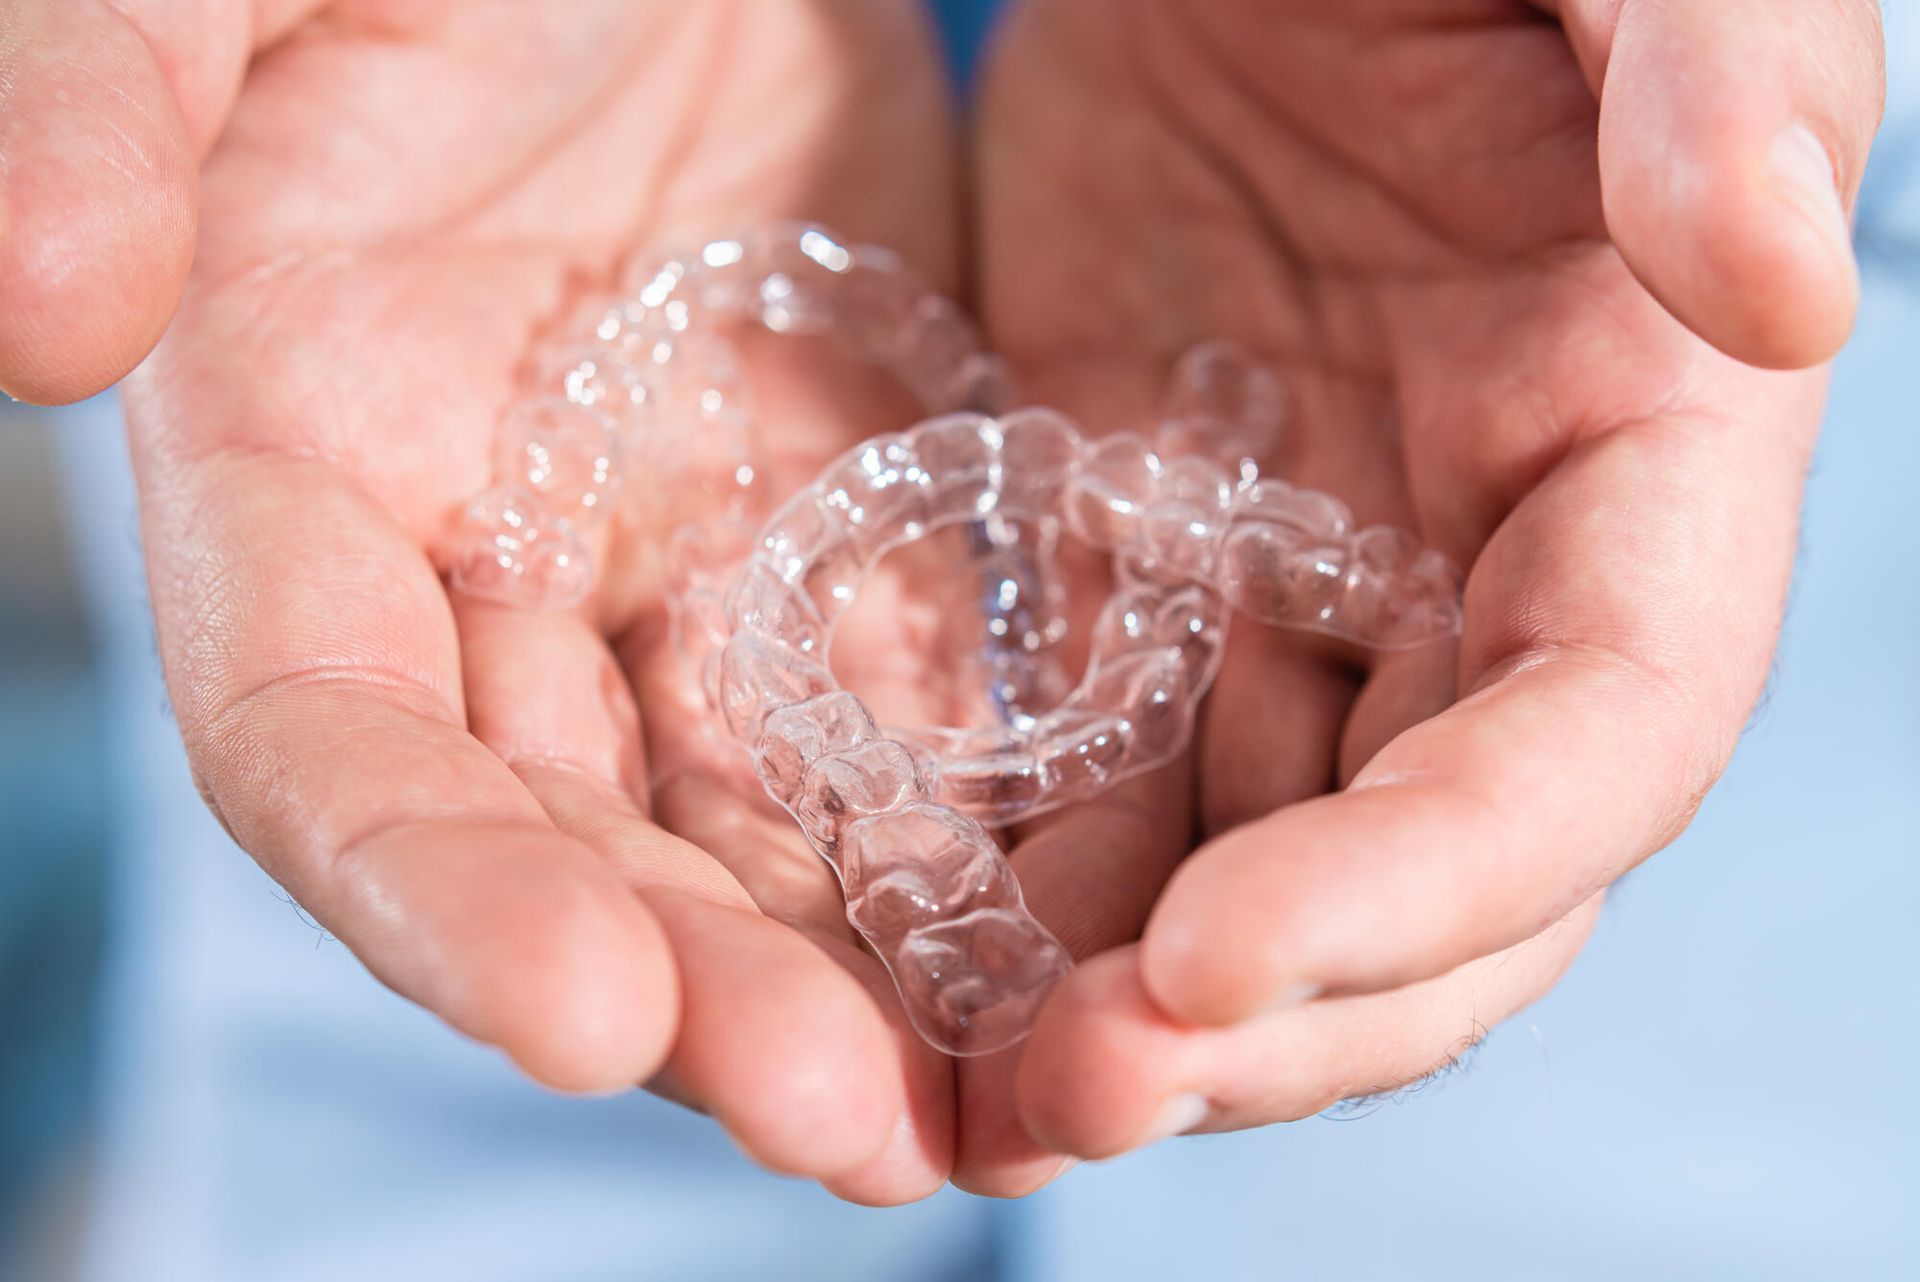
(1506, 265)
(392, 206)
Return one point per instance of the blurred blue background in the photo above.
(1722, 1088)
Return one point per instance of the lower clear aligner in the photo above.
(1195, 531)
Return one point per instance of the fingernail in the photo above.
(1179, 1114)
(1803, 175)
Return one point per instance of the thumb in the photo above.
(105, 109)
(1732, 141)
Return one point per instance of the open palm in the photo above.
(478, 801)
(1447, 222)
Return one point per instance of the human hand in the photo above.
(392, 199)
(1510, 258)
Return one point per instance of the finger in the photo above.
(706, 797)
(777, 1041)
(97, 195)
(1732, 143)
(1107, 1070)
(314, 671)
(704, 788)
(1620, 626)
(780, 1043)
(1269, 727)
(109, 104)
(797, 894)
(1090, 873)
(917, 1158)
(1402, 690)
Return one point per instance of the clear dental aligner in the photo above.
(901, 815)
(1192, 546)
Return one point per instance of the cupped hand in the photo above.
(365, 212)
(1524, 268)
(1465, 230)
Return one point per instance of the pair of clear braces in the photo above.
(1194, 531)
